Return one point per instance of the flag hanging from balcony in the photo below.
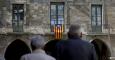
(58, 30)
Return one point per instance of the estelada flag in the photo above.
(58, 30)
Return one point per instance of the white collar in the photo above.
(39, 51)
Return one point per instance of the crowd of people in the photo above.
(74, 48)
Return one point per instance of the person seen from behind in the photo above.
(74, 48)
(37, 43)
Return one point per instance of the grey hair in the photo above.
(75, 28)
(38, 41)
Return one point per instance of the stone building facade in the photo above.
(37, 20)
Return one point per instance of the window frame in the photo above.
(96, 6)
(57, 20)
(17, 24)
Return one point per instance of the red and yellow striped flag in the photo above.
(58, 30)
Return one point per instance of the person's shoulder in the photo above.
(52, 42)
(50, 57)
(87, 42)
(23, 57)
(61, 42)
(26, 55)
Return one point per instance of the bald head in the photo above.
(74, 30)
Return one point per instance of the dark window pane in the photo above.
(18, 17)
(18, 10)
(53, 9)
(15, 11)
(93, 21)
(96, 20)
(60, 22)
(21, 11)
(57, 15)
(21, 16)
(53, 18)
(60, 18)
(53, 22)
(99, 19)
(15, 17)
(99, 13)
(60, 10)
(99, 22)
(93, 11)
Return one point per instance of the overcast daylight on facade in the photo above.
(21, 19)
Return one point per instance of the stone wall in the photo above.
(37, 13)
(37, 18)
(7, 39)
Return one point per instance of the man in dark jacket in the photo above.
(50, 47)
(74, 48)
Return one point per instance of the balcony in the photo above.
(45, 29)
(40, 29)
(19, 1)
(100, 30)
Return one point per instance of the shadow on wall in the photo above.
(102, 50)
(16, 49)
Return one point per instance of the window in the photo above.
(96, 18)
(57, 15)
(17, 17)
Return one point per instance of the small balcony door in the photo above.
(96, 18)
(17, 17)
